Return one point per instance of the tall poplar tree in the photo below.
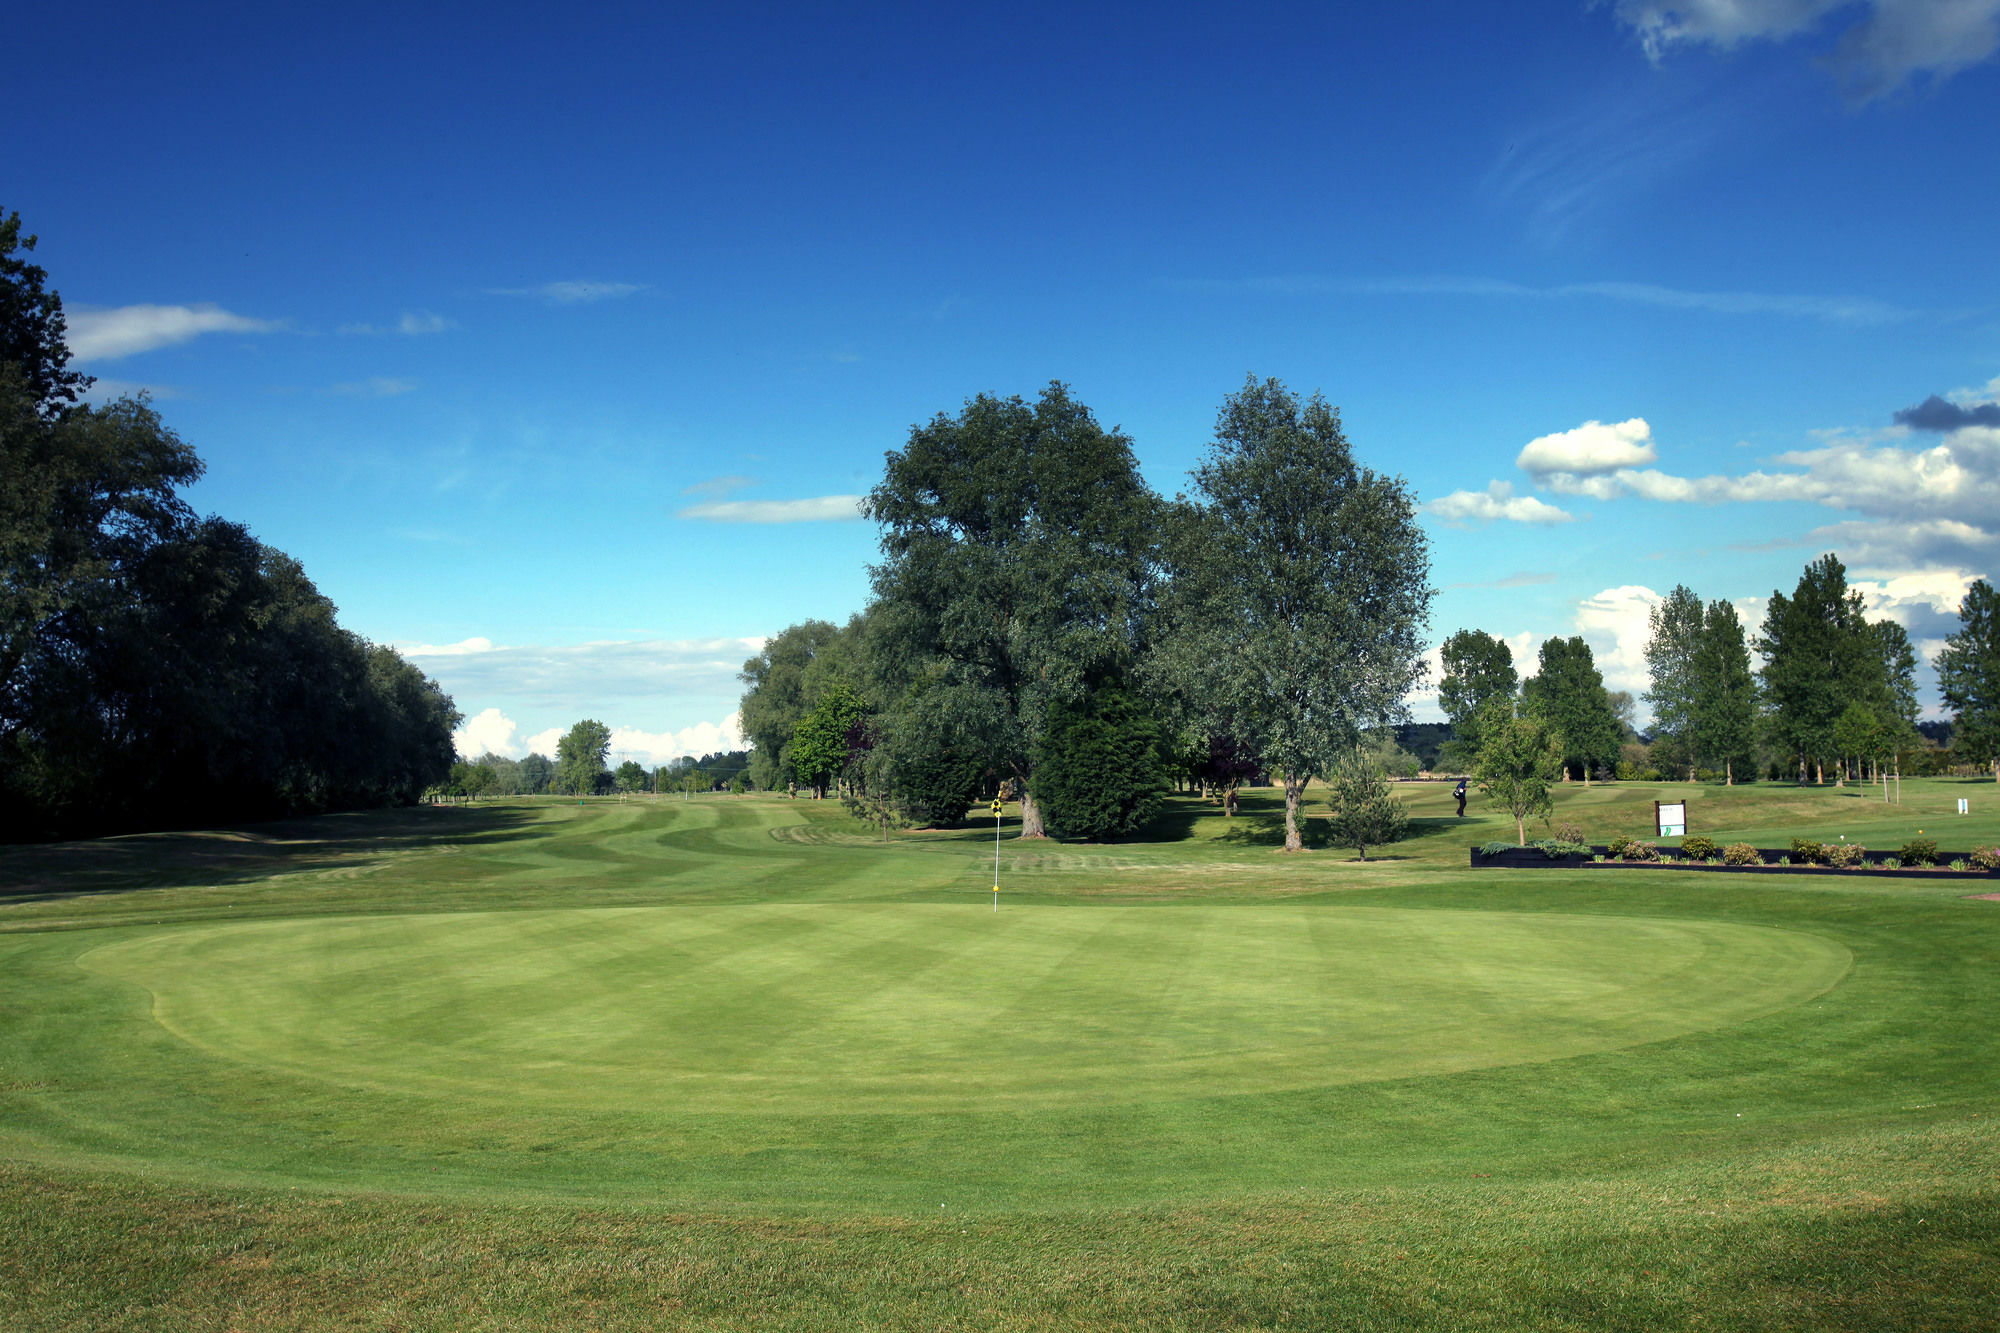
(1301, 589)
(1677, 624)
(1018, 551)
(1968, 670)
(1723, 691)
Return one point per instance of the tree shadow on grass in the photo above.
(244, 852)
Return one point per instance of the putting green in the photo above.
(668, 1011)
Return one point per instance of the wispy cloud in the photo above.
(104, 390)
(818, 508)
(379, 386)
(572, 293)
(101, 334)
(719, 486)
(413, 323)
(1524, 579)
(1833, 309)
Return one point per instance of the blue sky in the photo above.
(550, 343)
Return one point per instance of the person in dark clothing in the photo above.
(1459, 792)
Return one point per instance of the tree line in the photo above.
(1831, 691)
(159, 668)
(581, 768)
(1044, 625)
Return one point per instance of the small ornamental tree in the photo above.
(1857, 734)
(1097, 770)
(1520, 761)
(1364, 813)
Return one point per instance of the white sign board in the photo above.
(1672, 819)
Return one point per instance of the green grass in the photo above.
(738, 1063)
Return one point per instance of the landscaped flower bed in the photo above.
(1917, 858)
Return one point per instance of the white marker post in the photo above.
(996, 855)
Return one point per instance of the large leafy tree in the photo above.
(1478, 668)
(1722, 691)
(1018, 548)
(1968, 670)
(1301, 589)
(1819, 656)
(1676, 624)
(580, 757)
(1567, 692)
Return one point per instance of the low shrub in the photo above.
(1557, 849)
(1984, 858)
(1806, 852)
(1741, 854)
(1959, 865)
(1918, 852)
(1639, 851)
(1893, 863)
(1846, 855)
(1618, 846)
(1567, 831)
(1497, 846)
(1697, 848)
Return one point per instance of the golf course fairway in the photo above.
(733, 1063)
(656, 1013)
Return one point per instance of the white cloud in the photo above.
(1591, 449)
(493, 732)
(1897, 38)
(490, 732)
(1723, 23)
(814, 509)
(108, 334)
(1616, 623)
(1928, 507)
(1497, 501)
(662, 747)
(1924, 601)
(571, 293)
(459, 649)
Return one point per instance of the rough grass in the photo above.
(181, 1147)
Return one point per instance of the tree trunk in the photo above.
(1521, 830)
(1031, 816)
(1295, 790)
(1729, 772)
